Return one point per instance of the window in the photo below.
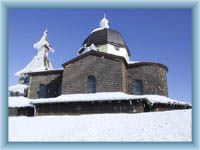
(137, 87)
(91, 84)
(42, 91)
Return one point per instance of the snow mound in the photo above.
(155, 126)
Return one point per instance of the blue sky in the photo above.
(158, 35)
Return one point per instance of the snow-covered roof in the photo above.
(102, 96)
(97, 29)
(161, 99)
(18, 88)
(19, 101)
(46, 71)
(107, 96)
(35, 65)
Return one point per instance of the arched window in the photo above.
(91, 84)
(137, 87)
(42, 91)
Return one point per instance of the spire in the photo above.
(104, 23)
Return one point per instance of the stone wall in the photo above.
(124, 78)
(51, 79)
(112, 74)
(152, 75)
(108, 73)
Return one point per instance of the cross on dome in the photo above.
(104, 23)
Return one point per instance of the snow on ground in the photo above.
(154, 126)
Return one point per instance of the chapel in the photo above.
(101, 79)
(103, 65)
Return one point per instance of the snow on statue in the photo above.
(40, 62)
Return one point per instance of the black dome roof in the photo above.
(105, 36)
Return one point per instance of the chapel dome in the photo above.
(105, 36)
(102, 36)
(104, 39)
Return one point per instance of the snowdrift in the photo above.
(155, 126)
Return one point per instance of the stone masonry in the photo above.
(112, 73)
(152, 75)
(51, 79)
(108, 73)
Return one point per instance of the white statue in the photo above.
(40, 62)
(44, 48)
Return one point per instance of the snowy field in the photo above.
(155, 126)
